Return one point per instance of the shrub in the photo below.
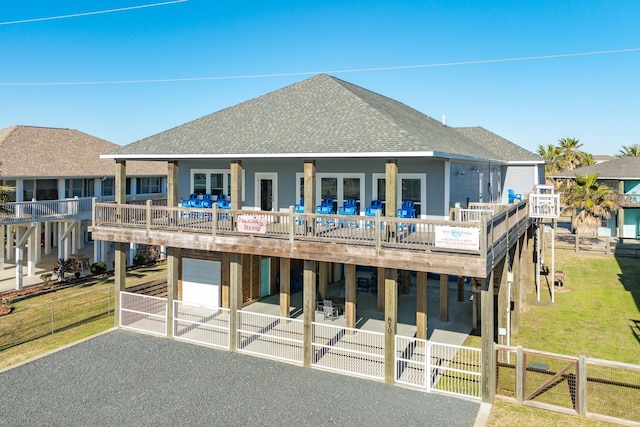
(46, 277)
(61, 268)
(98, 267)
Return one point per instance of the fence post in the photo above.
(214, 219)
(149, 215)
(581, 386)
(377, 233)
(292, 224)
(427, 367)
(519, 375)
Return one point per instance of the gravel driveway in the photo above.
(127, 379)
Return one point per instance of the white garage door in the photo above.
(201, 282)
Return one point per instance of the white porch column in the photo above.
(19, 190)
(61, 188)
(104, 252)
(47, 238)
(10, 238)
(38, 247)
(61, 244)
(133, 247)
(32, 249)
(19, 259)
(74, 238)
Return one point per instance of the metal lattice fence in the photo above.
(613, 389)
(201, 324)
(143, 313)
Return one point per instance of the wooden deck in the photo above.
(410, 244)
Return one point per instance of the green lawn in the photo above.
(72, 314)
(595, 314)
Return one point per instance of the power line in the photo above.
(305, 73)
(99, 12)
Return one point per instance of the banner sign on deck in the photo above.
(252, 224)
(467, 238)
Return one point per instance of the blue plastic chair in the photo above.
(407, 211)
(348, 210)
(299, 208)
(376, 205)
(513, 196)
(325, 210)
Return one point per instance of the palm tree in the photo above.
(591, 201)
(551, 156)
(629, 151)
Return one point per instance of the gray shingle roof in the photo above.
(319, 116)
(502, 148)
(624, 168)
(29, 151)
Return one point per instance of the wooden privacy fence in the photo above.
(586, 387)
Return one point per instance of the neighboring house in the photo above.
(323, 140)
(623, 175)
(44, 165)
(601, 158)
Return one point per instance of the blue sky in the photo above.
(594, 98)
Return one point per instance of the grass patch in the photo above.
(596, 314)
(41, 323)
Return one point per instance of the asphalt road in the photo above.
(126, 379)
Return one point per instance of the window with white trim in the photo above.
(148, 185)
(213, 181)
(338, 186)
(411, 186)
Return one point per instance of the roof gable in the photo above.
(30, 151)
(319, 116)
(624, 168)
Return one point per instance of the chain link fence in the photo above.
(25, 324)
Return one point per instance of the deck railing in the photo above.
(465, 237)
(22, 212)
(544, 205)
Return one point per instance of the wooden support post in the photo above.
(421, 305)
(380, 284)
(323, 271)
(310, 193)
(120, 276)
(460, 288)
(475, 307)
(406, 282)
(390, 323)
(235, 300)
(391, 196)
(120, 261)
(309, 309)
(444, 297)
(225, 280)
(285, 287)
(236, 184)
(350, 296)
(487, 331)
(173, 277)
(172, 183)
